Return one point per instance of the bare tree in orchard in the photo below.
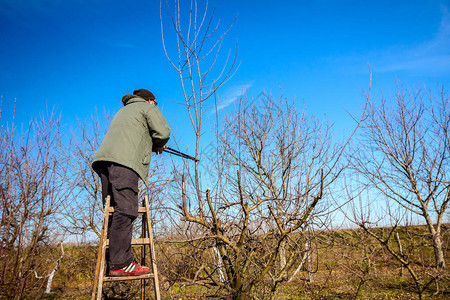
(201, 69)
(32, 173)
(273, 167)
(82, 215)
(404, 156)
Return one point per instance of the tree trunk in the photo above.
(219, 264)
(282, 256)
(438, 253)
(437, 241)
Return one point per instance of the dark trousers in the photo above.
(121, 184)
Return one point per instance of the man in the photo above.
(136, 130)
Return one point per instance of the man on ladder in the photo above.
(137, 129)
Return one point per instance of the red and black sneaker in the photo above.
(132, 269)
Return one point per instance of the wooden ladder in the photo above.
(145, 240)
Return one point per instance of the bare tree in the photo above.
(32, 175)
(403, 155)
(273, 167)
(198, 63)
(405, 249)
(82, 215)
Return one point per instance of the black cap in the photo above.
(143, 93)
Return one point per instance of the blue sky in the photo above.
(81, 55)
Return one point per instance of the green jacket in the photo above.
(134, 131)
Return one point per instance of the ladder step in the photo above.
(136, 242)
(141, 209)
(141, 241)
(122, 278)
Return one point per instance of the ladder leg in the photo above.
(97, 269)
(100, 268)
(142, 280)
(143, 250)
(152, 251)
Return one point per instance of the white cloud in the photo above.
(231, 95)
(429, 56)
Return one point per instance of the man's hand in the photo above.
(158, 150)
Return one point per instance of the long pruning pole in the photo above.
(178, 153)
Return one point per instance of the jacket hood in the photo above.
(128, 99)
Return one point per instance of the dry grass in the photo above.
(349, 266)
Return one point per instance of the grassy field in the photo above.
(346, 264)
